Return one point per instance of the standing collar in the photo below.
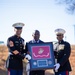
(17, 36)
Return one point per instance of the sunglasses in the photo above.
(59, 35)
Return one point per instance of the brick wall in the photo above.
(72, 59)
(4, 54)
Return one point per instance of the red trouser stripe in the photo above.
(8, 71)
(67, 73)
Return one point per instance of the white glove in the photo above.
(28, 56)
(57, 66)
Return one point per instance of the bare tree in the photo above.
(69, 4)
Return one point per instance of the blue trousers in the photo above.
(15, 72)
(62, 73)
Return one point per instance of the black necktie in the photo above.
(36, 41)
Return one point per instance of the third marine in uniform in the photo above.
(62, 53)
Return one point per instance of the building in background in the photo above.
(1, 42)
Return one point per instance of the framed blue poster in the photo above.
(42, 55)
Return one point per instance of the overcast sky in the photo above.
(44, 15)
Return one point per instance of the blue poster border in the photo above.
(47, 63)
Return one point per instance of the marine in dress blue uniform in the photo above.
(36, 36)
(62, 53)
(16, 46)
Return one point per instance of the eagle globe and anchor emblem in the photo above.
(44, 54)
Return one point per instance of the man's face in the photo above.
(18, 31)
(59, 37)
(36, 35)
